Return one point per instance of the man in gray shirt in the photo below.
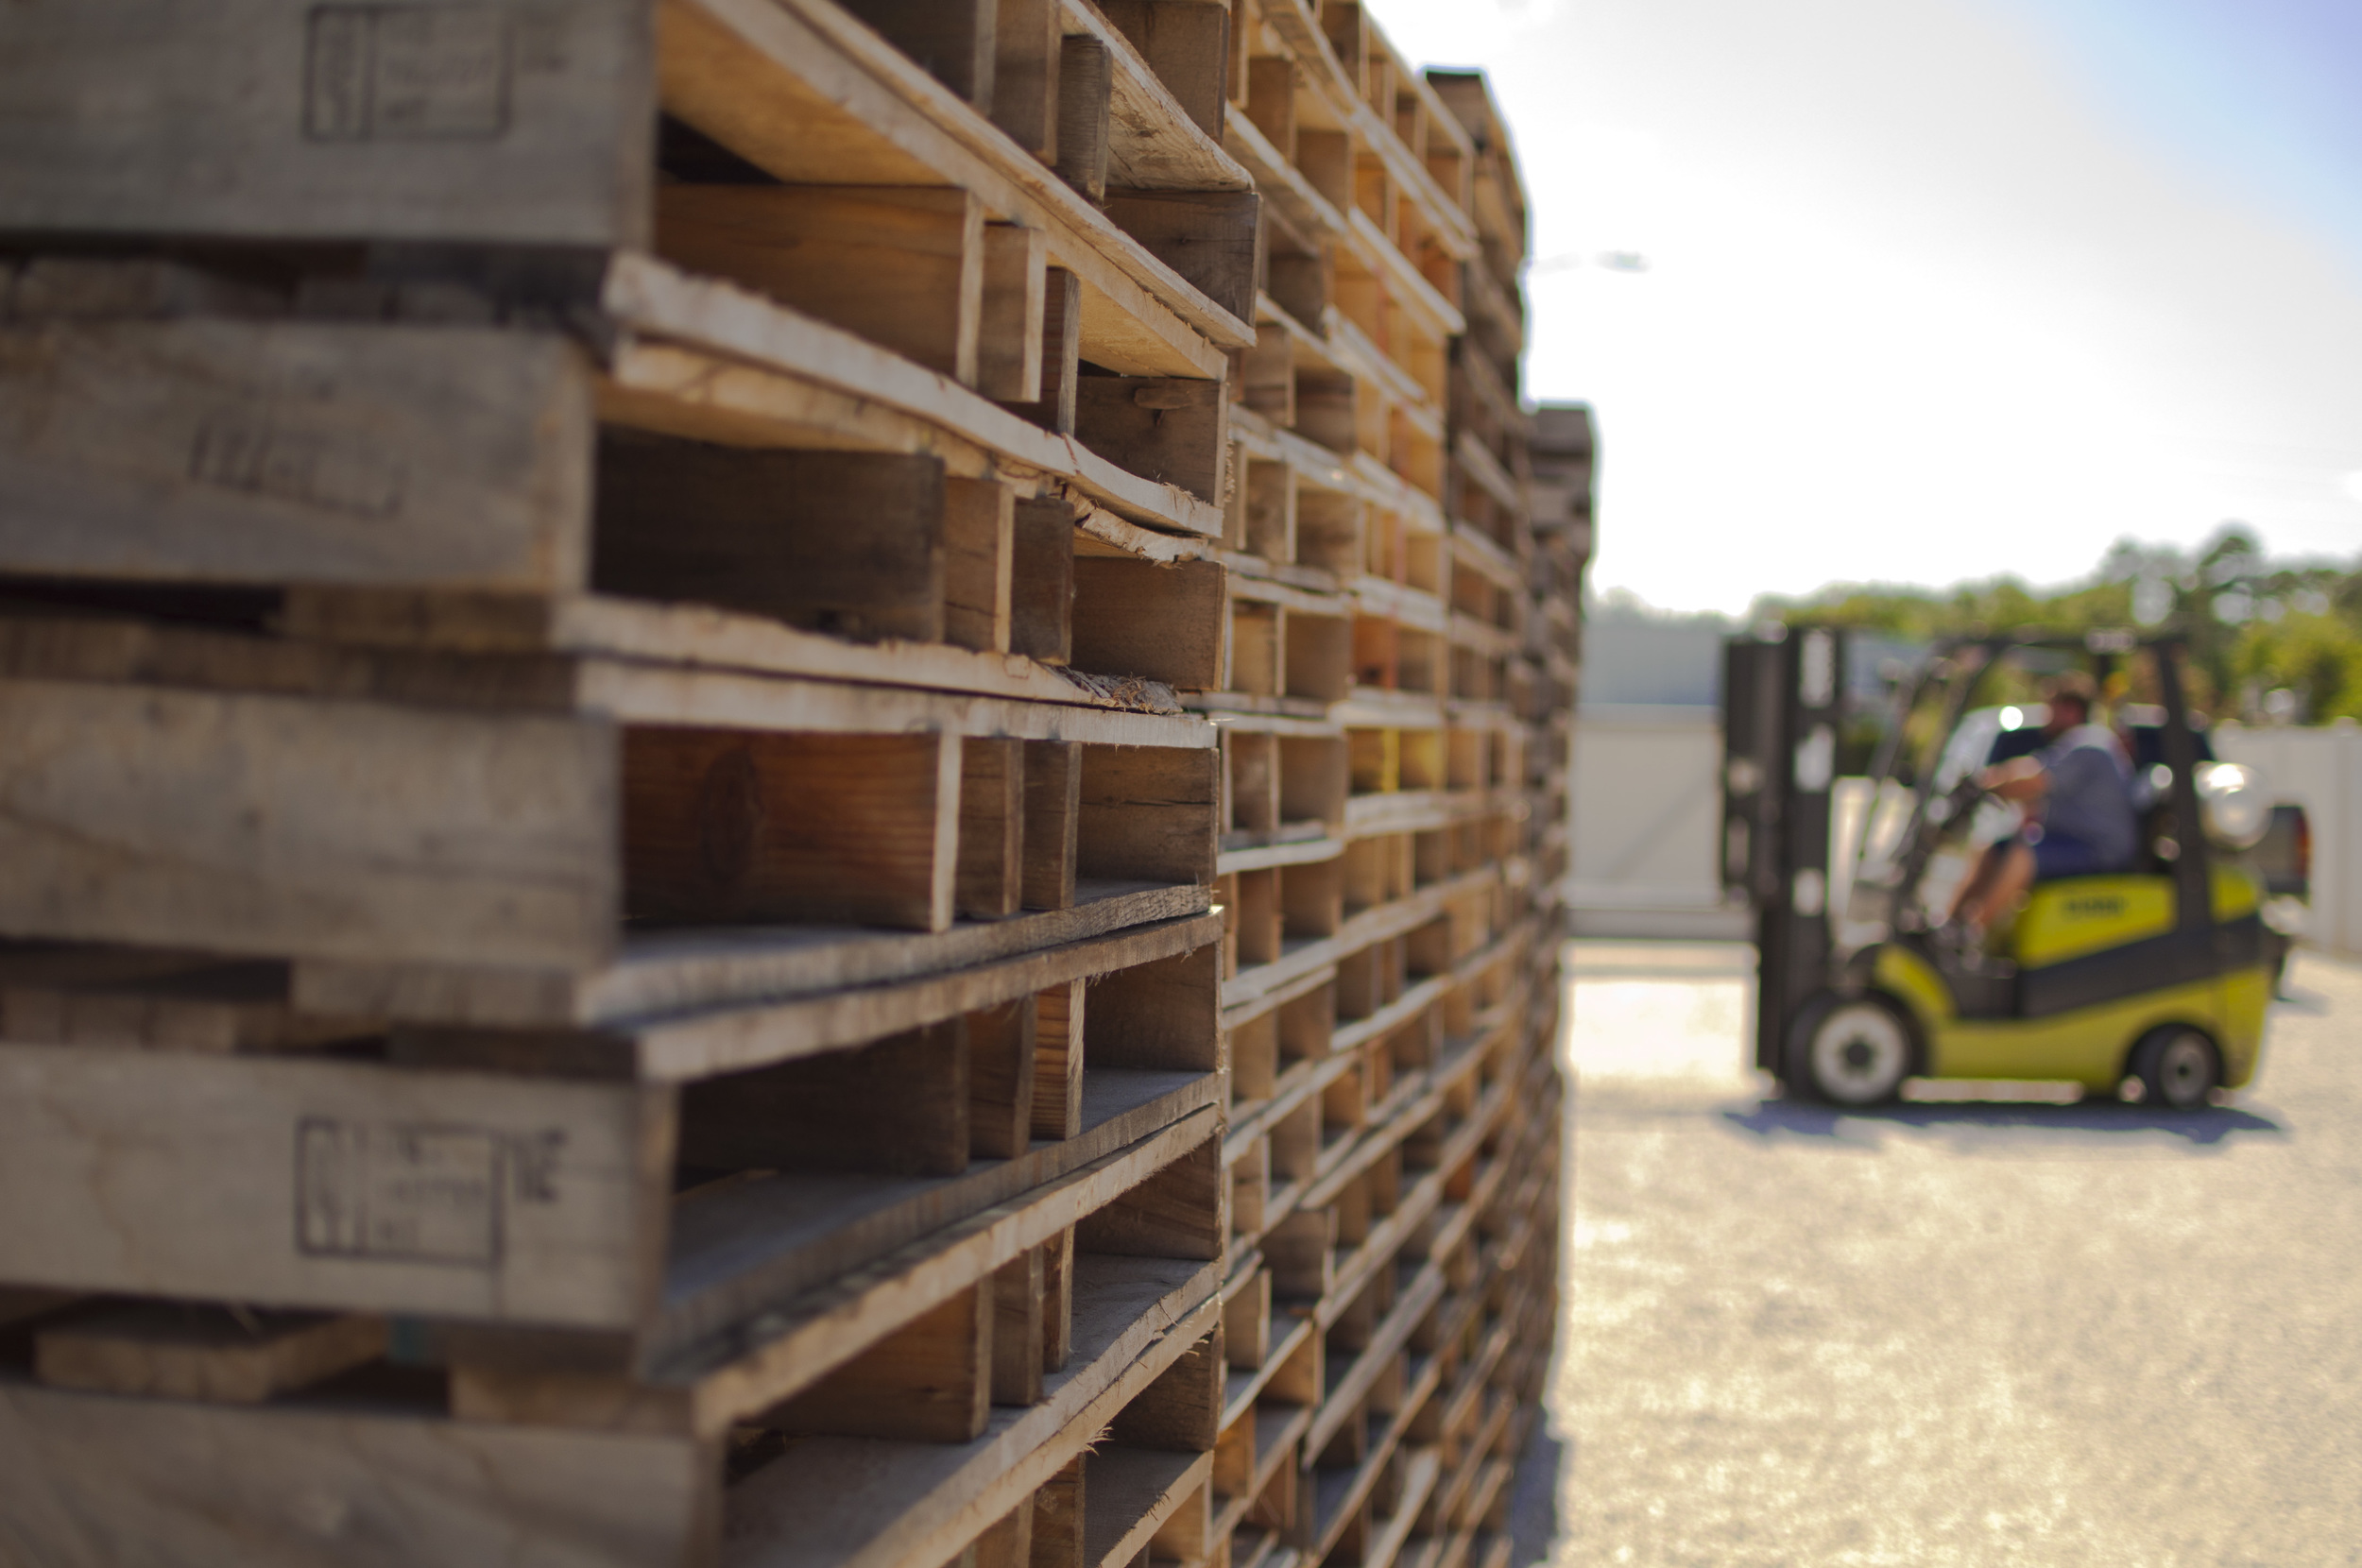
(2077, 795)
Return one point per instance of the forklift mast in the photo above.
(1783, 698)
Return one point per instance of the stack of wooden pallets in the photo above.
(714, 846)
(1391, 853)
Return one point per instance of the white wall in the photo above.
(2321, 769)
(1648, 816)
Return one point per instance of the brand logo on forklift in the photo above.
(2093, 906)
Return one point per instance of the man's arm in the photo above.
(2020, 780)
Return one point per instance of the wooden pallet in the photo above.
(538, 128)
(509, 465)
(534, 1179)
(581, 798)
(386, 1473)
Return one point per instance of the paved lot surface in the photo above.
(1981, 1334)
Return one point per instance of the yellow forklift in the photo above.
(2150, 985)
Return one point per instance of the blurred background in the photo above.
(1927, 314)
(1923, 317)
(1932, 291)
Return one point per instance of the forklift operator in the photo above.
(2078, 794)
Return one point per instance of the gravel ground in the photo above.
(1981, 1334)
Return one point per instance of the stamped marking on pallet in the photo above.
(311, 469)
(407, 72)
(414, 1192)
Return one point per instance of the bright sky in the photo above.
(1936, 289)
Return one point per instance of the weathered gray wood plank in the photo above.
(289, 120)
(93, 1481)
(265, 451)
(275, 824)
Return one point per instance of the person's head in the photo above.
(2070, 697)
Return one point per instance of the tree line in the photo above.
(2270, 641)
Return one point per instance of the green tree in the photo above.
(2255, 628)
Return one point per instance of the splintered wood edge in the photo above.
(1140, 84)
(1176, 1477)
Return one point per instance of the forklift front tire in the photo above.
(1850, 1051)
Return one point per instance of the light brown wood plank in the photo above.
(1042, 588)
(723, 825)
(1165, 429)
(1150, 811)
(1160, 1015)
(1025, 77)
(241, 452)
(1002, 1043)
(1010, 1542)
(1084, 83)
(838, 1505)
(95, 1481)
(990, 882)
(1053, 405)
(848, 543)
(1009, 334)
(801, 91)
(1133, 1492)
(1057, 1316)
(1058, 1057)
(1058, 1514)
(165, 1351)
(978, 537)
(1185, 43)
(329, 126)
(1164, 623)
(930, 1381)
(858, 1296)
(952, 40)
(714, 362)
(1018, 1289)
(276, 826)
(901, 266)
(1207, 236)
(1053, 784)
(898, 1108)
(1176, 1213)
(344, 1185)
(1182, 1409)
(676, 1047)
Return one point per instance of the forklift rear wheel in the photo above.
(1853, 1050)
(2177, 1067)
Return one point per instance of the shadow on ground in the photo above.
(1773, 1117)
(2291, 999)
(1533, 1505)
